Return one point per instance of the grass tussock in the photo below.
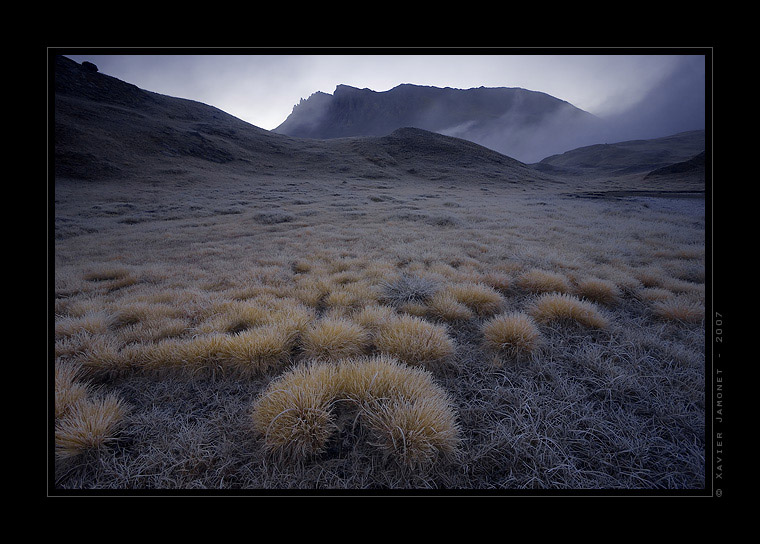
(498, 280)
(335, 338)
(551, 307)
(373, 317)
(444, 305)
(679, 309)
(597, 290)
(542, 281)
(415, 341)
(408, 418)
(511, 335)
(478, 297)
(92, 323)
(69, 390)
(89, 424)
(247, 353)
(233, 317)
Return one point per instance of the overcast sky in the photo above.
(262, 89)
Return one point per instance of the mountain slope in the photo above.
(694, 166)
(106, 129)
(527, 125)
(625, 158)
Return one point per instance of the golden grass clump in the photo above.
(351, 296)
(477, 296)
(511, 334)
(153, 330)
(292, 315)
(112, 277)
(78, 306)
(203, 352)
(142, 312)
(335, 338)
(294, 413)
(597, 290)
(89, 424)
(310, 289)
(563, 307)
(679, 308)
(68, 389)
(415, 341)
(259, 350)
(497, 280)
(373, 317)
(104, 356)
(651, 276)
(93, 323)
(444, 306)
(414, 432)
(542, 281)
(235, 317)
(247, 353)
(655, 294)
(409, 417)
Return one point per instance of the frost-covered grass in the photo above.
(175, 318)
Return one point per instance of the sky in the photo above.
(654, 94)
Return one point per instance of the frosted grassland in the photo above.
(561, 340)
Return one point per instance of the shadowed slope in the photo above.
(106, 129)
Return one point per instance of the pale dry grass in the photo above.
(562, 307)
(225, 305)
(411, 420)
(69, 389)
(511, 335)
(88, 424)
(373, 317)
(598, 290)
(415, 341)
(335, 338)
(679, 308)
(478, 297)
(542, 281)
(444, 305)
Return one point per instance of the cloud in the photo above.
(675, 103)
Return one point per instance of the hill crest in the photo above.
(527, 125)
(106, 129)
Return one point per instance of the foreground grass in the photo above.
(566, 337)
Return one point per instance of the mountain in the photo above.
(694, 166)
(107, 130)
(625, 158)
(523, 124)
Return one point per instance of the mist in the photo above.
(676, 104)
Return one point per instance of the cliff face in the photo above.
(515, 122)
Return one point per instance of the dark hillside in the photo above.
(625, 158)
(106, 129)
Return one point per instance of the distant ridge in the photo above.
(107, 130)
(527, 125)
(625, 158)
(695, 165)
